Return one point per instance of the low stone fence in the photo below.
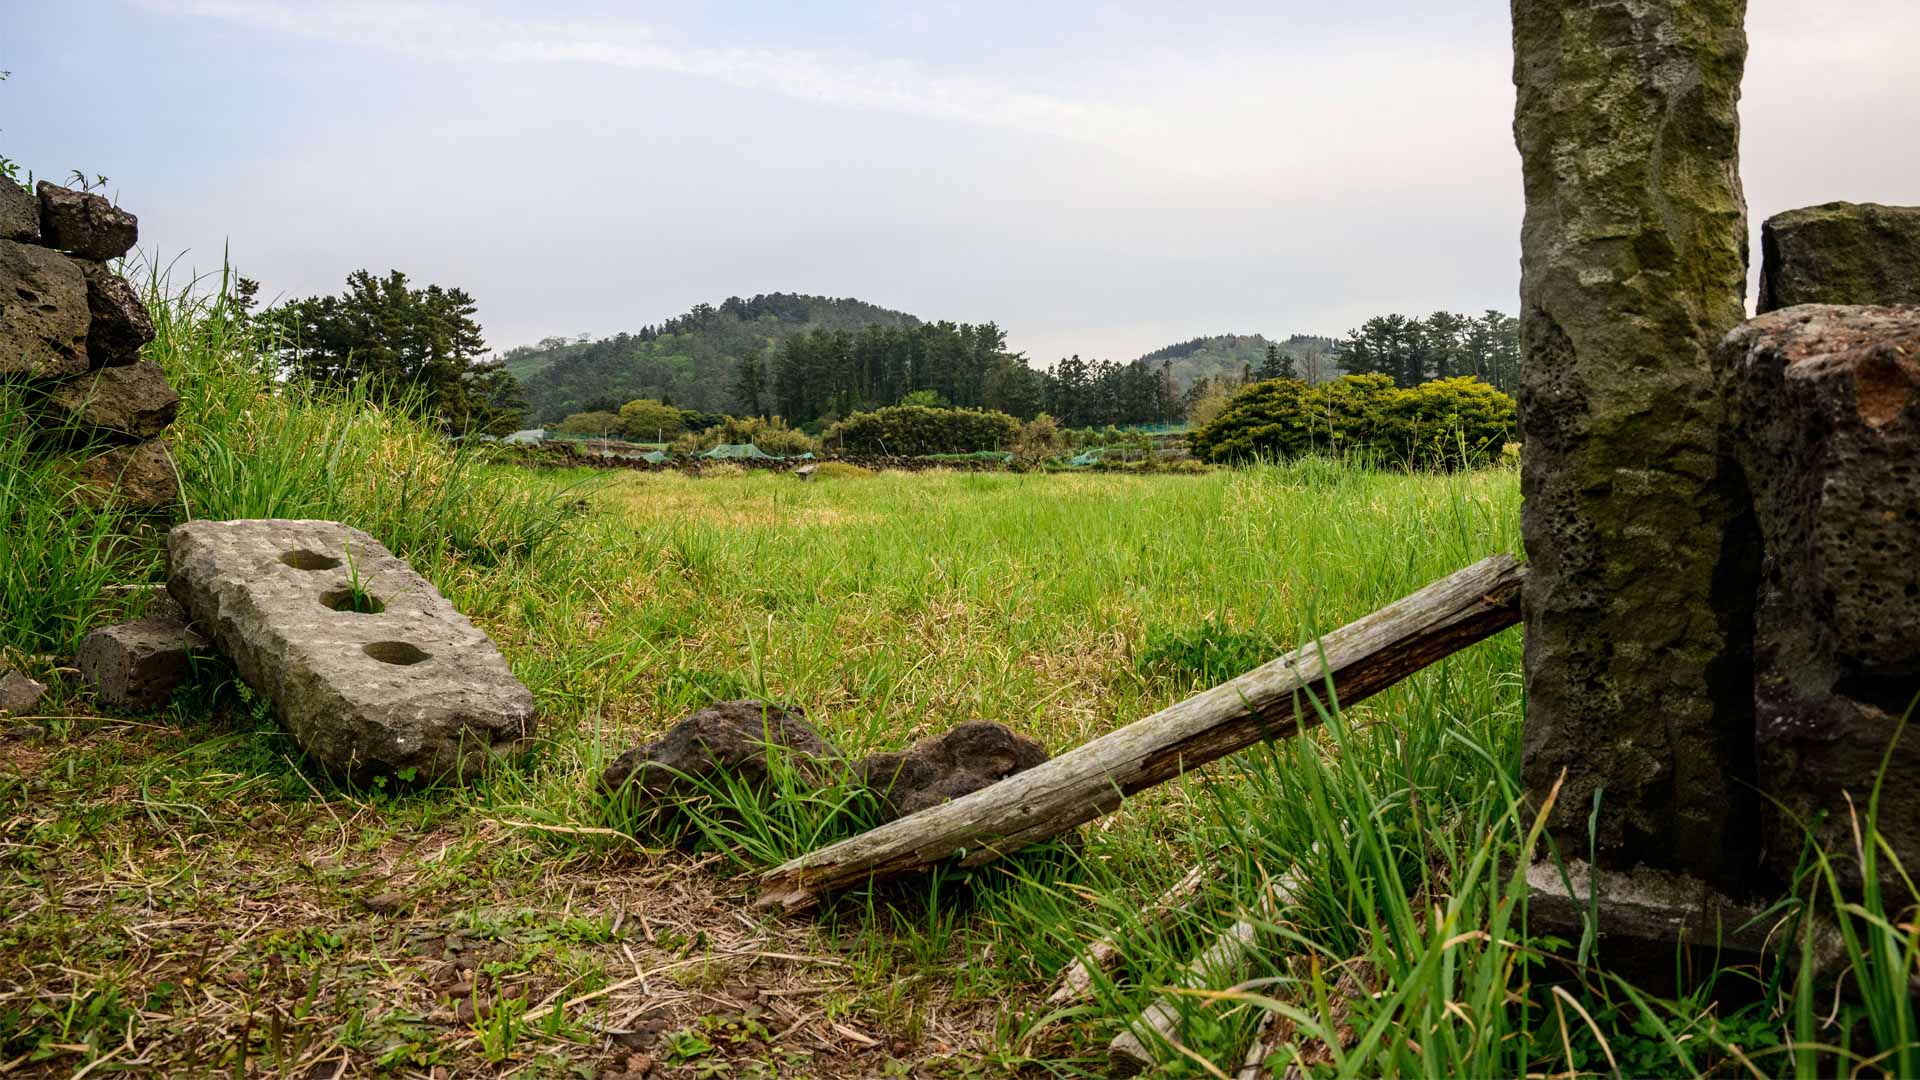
(71, 331)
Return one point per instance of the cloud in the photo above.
(441, 34)
(1314, 112)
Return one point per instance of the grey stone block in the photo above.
(138, 665)
(408, 688)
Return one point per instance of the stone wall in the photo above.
(71, 331)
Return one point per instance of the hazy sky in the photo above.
(1100, 178)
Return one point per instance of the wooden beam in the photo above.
(1272, 701)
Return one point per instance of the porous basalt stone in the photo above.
(1826, 420)
(19, 695)
(19, 213)
(1632, 269)
(138, 665)
(412, 689)
(944, 767)
(139, 477)
(84, 224)
(129, 402)
(43, 313)
(120, 326)
(730, 738)
(1840, 253)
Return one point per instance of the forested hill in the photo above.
(692, 360)
(1230, 355)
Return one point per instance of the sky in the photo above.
(1096, 178)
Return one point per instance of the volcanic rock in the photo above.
(19, 695)
(140, 476)
(83, 224)
(43, 313)
(121, 326)
(19, 213)
(729, 738)
(1826, 422)
(1840, 253)
(942, 768)
(129, 402)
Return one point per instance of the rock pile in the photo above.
(734, 742)
(71, 330)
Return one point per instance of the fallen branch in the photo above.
(1104, 954)
(1224, 963)
(1361, 659)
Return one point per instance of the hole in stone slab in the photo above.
(26, 294)
(399, 653)
(302, 559)
(357, 601)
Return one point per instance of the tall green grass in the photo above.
(60, 547)
(252, 445)
(247, 444)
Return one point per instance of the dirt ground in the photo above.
(174, 905)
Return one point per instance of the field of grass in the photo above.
(180, 896)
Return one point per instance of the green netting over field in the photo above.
(737, 451)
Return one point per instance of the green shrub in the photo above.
(917, 429)
(648, 420)
(1445, 423)
(770, 434)
(591, 423)
(1206, 654)
(1040, 440)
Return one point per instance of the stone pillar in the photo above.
(1825, 412)
(1633, 267)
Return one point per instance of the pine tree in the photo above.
(750, 385)
(1270, 367)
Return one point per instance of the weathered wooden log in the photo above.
(1224, 963)
(1359, 659)
(1103, 954)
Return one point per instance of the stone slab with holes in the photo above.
(372, 671)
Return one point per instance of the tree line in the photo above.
(1411, 351)
(815, 360)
